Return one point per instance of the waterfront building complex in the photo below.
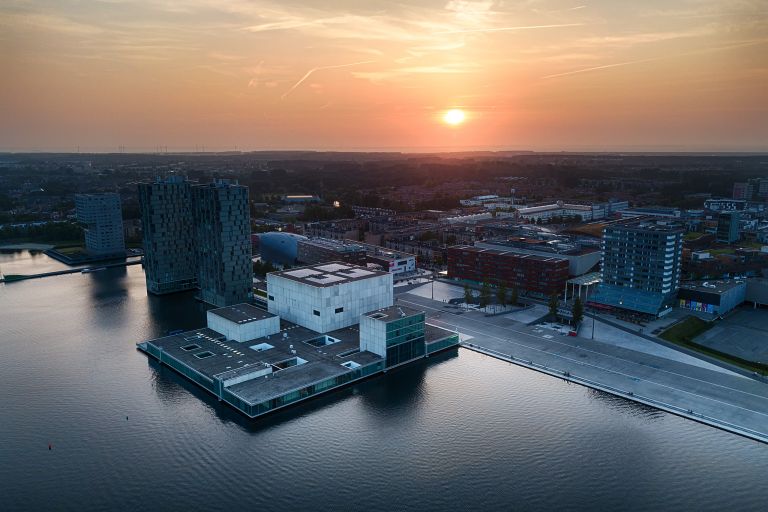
(197, 237)
(102, 219)
(258, 361)
(327, 297)
(640, 266)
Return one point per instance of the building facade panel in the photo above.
(102, 219)
(168, 238)
(536, 274)
(222, 242)
(326, 307)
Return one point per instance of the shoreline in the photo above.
(629, 395)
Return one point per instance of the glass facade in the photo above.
(301, 393)
(437, 346)
(405, 339)
(183, 369)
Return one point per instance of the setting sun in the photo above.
(454, 117)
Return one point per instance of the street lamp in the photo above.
(433, 285)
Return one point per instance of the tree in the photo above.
(469, 297)
(554, 304)
(501, 294)
(577, 311)
(514, 298)
(485, 295)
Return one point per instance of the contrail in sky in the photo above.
(602, 67)
(686, 54)
(319, 68)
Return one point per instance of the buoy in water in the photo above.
(50, 446)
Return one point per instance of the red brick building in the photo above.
(541, 275)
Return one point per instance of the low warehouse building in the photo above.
(715, 298)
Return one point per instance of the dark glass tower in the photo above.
(166, 221)
(222, 226)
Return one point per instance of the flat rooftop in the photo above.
(322, 357)
(334, 245)
(647, 226)
(392, 313)
(242, 313)
(549, 207)
(329, 274)
(209, 353)
(511, 252)
(712, 286)
(556, 245)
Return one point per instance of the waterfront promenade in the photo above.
(710, 395)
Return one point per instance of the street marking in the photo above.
(585, 350)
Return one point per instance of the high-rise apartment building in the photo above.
(727, 227)
(197, 237)
(166, 222)
(640, 266)
(102, 219)
(743, 190)
(222, 230)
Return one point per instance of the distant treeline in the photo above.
(48, 232)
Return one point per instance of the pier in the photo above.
(10, 278)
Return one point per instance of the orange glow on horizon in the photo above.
(661, 75)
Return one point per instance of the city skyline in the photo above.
(533, 75)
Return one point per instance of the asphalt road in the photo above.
(730, 399)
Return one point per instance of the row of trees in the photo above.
(48, 232)
(504, 297)
(577, 309)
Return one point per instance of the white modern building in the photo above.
(586, 212)
(327, 297)
(243, 322)
(477, 217)
(102, 220)
(392, 261)
(479, 200)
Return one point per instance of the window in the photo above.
(187, 348)
(339, 310)
(203, 355)
(315, 312)
(271, 297)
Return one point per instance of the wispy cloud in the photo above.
(320, 68)
(508, 29)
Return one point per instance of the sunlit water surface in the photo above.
(461, 431)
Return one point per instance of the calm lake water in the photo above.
(460, 432)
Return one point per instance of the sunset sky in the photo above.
(356, 75)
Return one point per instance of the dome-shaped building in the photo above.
(279, 248)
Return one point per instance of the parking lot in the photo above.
(743, 334)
